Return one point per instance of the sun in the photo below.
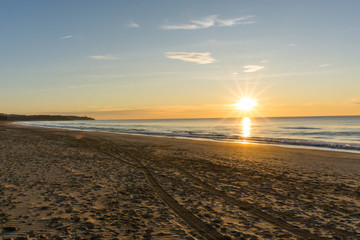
(246, 104)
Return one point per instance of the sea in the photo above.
(336, 133)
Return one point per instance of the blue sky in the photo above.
(160, 59)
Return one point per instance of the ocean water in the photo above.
(338, 133)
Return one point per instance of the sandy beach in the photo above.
(60, 184)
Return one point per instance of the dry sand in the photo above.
(59, 184)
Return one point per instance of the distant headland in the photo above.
(16, 117)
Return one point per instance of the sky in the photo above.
(131, 59)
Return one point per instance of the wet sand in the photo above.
(59, 184)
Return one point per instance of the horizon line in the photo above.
(230, 117)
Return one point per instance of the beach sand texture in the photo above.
(59, 184)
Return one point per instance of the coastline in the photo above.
(251, 140)
(78, 183)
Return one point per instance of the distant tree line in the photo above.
(3, 117)
(16, 117)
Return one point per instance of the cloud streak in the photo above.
(252, 68)
(354, 101)
(325, 65)
(196, 57)
(209, 21)
(104, 57)
(66, 37)
(132, 24)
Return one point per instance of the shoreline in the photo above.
(68, 184)
(289, 145)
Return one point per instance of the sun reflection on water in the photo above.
(246, 127)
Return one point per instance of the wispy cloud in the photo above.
(104, 57)
(84, 86)
(132, 24)
(127, 76)
(66, 37)
(325, 65)
(209, 21)
(354, 101)
(252, 68)
(196, 57)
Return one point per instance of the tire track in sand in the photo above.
(206, 230)
(304, 234)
